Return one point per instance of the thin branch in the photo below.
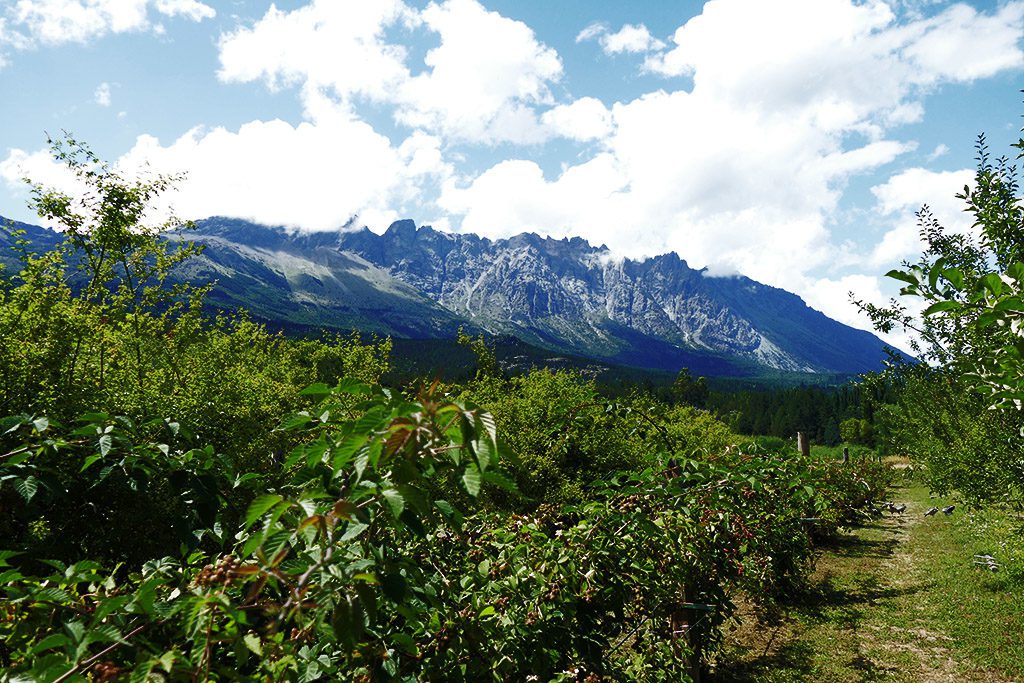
(86, 663)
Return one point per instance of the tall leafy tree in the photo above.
(970, 333)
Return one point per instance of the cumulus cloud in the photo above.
(190, 9)
(321, 169)
(862, 59)
(632, 38)
(899, 200)
(53, 22)
(325, 45)
(480, 84)
(584, 119)
(483, 79)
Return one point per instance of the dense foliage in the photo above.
(819, 412)
(185, 498)
(961, 414)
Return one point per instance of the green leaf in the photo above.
(348, 385)
(935, 271)
(167, 660)
(90, 460)
(395, 501)
(941, 306)
(902, 277)
(993, 283)
(316, 390)
(41, 424)
(471, 480)
(954, 276)
(1013, 303)
(143, 672)
(49, 642)
(252, 641)
(353, 530)
(295, 421)
(27, 487)
(260, 505)
(445, 507)
(105, 443)
(500, 480)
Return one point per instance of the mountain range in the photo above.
(566, 296)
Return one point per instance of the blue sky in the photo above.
(790, 140)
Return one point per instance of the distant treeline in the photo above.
(826, 414)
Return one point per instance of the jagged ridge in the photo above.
(565, 295)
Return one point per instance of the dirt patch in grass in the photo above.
(875, 609)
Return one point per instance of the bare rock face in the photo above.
(570, 294)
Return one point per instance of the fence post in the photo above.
(803, 444)
(681, 623)
(681, 620)
(846, 454)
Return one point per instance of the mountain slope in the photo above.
(564, 295)
(569, 294)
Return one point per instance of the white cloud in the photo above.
(102, 94)
(732, 187)
(326, 45)
(190, 9)
(940, 150)
(483, 79)
(831, 296)
(584, 119)
(513, 196)
(592, 31)
(632, 38)
(480, 84)
(311, 176)
(835, 51)
(76, 21)
(31, 23)
(899, 199)
(962, 45)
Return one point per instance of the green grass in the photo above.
(835, 453)
(898, 599)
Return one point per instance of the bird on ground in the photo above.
(931, 512)
(948, 510)
(899, 509)
(987, 561)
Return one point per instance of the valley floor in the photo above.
(899, 599)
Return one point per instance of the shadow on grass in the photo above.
(842, 602)
(857, 547)
(868, 670)
(791, 662)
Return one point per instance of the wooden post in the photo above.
(681, 621)
(803, 444)
(846, 454)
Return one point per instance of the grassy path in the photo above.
(896, 600)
